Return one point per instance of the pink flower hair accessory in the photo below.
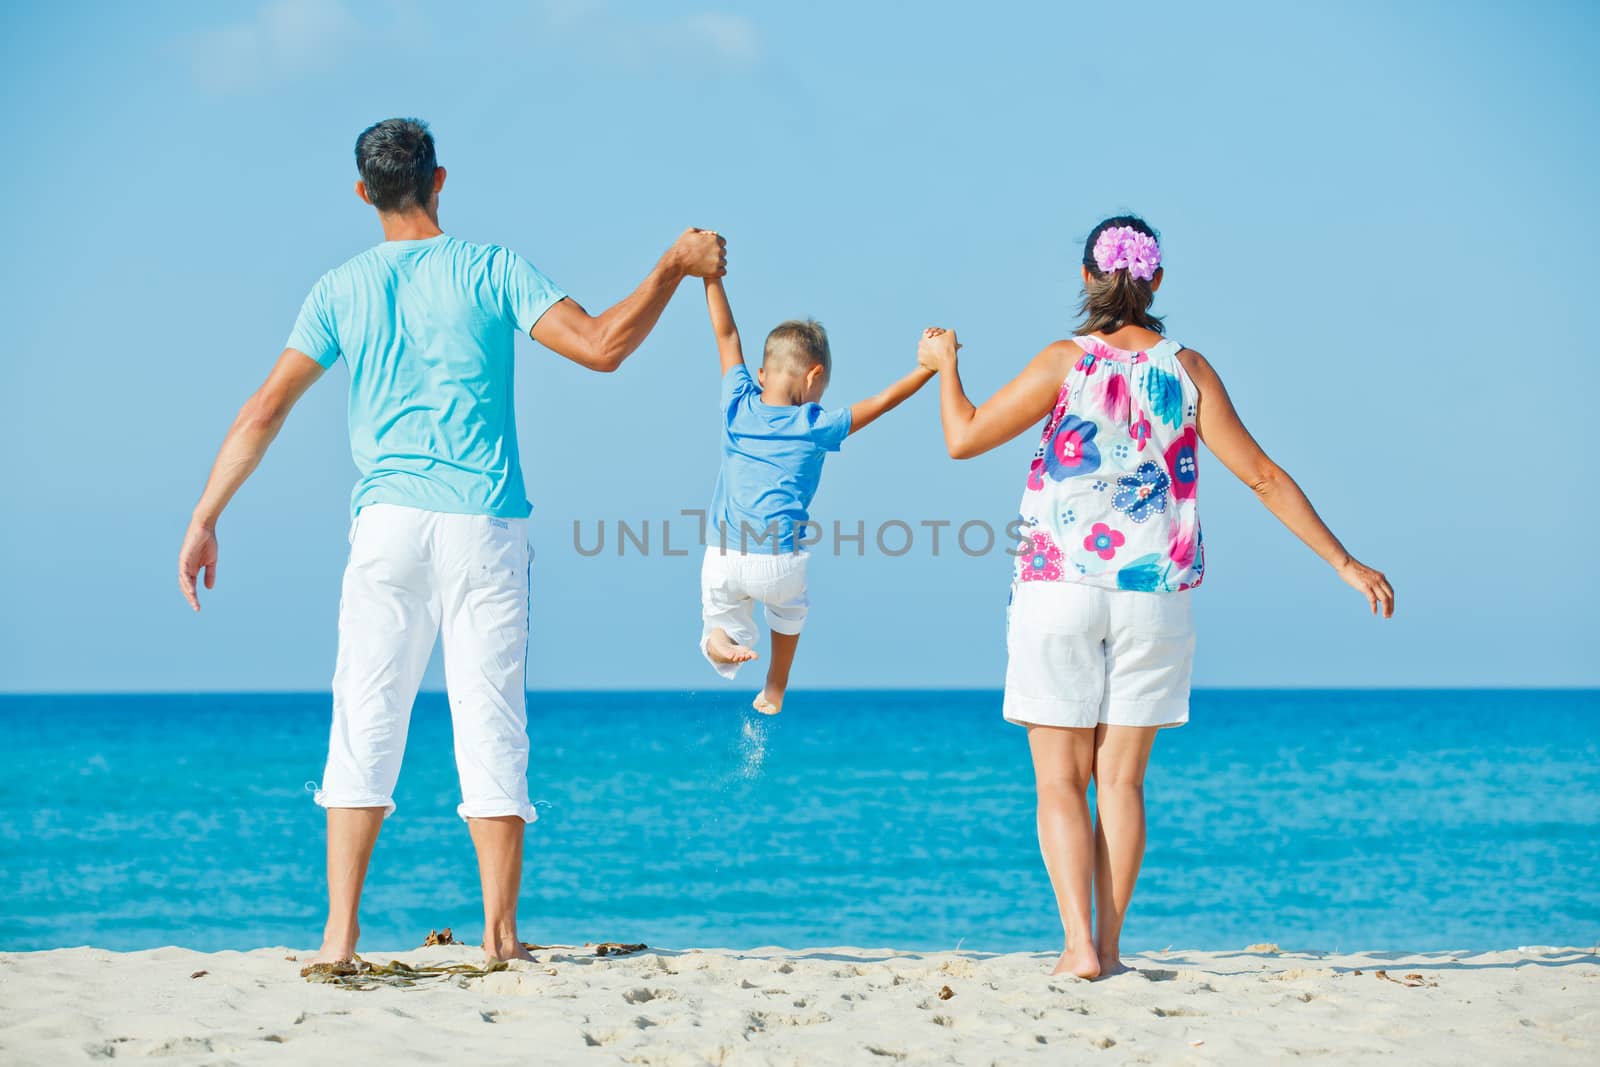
(1125, 248)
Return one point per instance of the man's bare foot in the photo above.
(1080, 961)
(721, 648)
(768, 702)
(495, 951)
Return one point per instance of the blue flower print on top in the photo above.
(1143, 575)
(1165, 394)
(1142, 493)
(1072, 450)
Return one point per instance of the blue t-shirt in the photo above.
(427, 329)
(771, 464)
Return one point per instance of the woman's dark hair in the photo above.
(1117, 299)
(396, 161)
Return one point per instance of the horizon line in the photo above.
(656, 690)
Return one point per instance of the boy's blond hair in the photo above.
(798, 345)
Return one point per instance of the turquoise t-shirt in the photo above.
(428, 330)
(771, 465)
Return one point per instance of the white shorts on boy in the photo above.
(1082, 656)
(733, 583)
(411, 575)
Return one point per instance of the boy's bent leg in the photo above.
(770, 702)
(727, 615)
(787, 607)
(724, 652)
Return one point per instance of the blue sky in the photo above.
(1377, 219)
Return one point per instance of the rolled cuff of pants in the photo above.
(485, 810)
(325, 799)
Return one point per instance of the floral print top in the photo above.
(1112, 491)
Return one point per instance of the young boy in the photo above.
(775, 437)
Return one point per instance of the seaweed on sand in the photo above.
(358, 974)
(603, 948)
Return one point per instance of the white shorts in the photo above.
(411, 573)
(1081, 656)
(732, 583)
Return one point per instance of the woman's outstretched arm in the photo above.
(971, 430)
(1223, 432)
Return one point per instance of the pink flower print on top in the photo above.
(1103, 541)
(1182, 545)
(1139, 430)
(1036, 474)
(1183, 464)
(1043, 564)
(1114, 397)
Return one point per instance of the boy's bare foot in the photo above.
(766, 705)
(721, 648)
(1080, 961)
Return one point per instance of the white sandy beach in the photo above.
(774, 1006)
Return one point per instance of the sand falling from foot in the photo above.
(752, 748)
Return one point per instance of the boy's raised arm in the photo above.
(722, 325)
(863, 412)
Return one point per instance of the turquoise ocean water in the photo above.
(1324, 820)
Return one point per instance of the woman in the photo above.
(1100, 639)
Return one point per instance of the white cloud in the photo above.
(732, 37)
(285, 39)
(703, 43)
(290, 39)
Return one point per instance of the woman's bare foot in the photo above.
(1110, 965)
(1081, 961)
(338, 946)
(495, 951)
(768, 703)
(720, 648)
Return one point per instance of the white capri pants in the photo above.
(411, 574)
(732, 583)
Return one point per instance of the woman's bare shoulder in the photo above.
(1067, 350)
(1197, 365)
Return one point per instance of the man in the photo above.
(426, 324)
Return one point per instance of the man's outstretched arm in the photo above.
(601, 342)
(258, 422)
